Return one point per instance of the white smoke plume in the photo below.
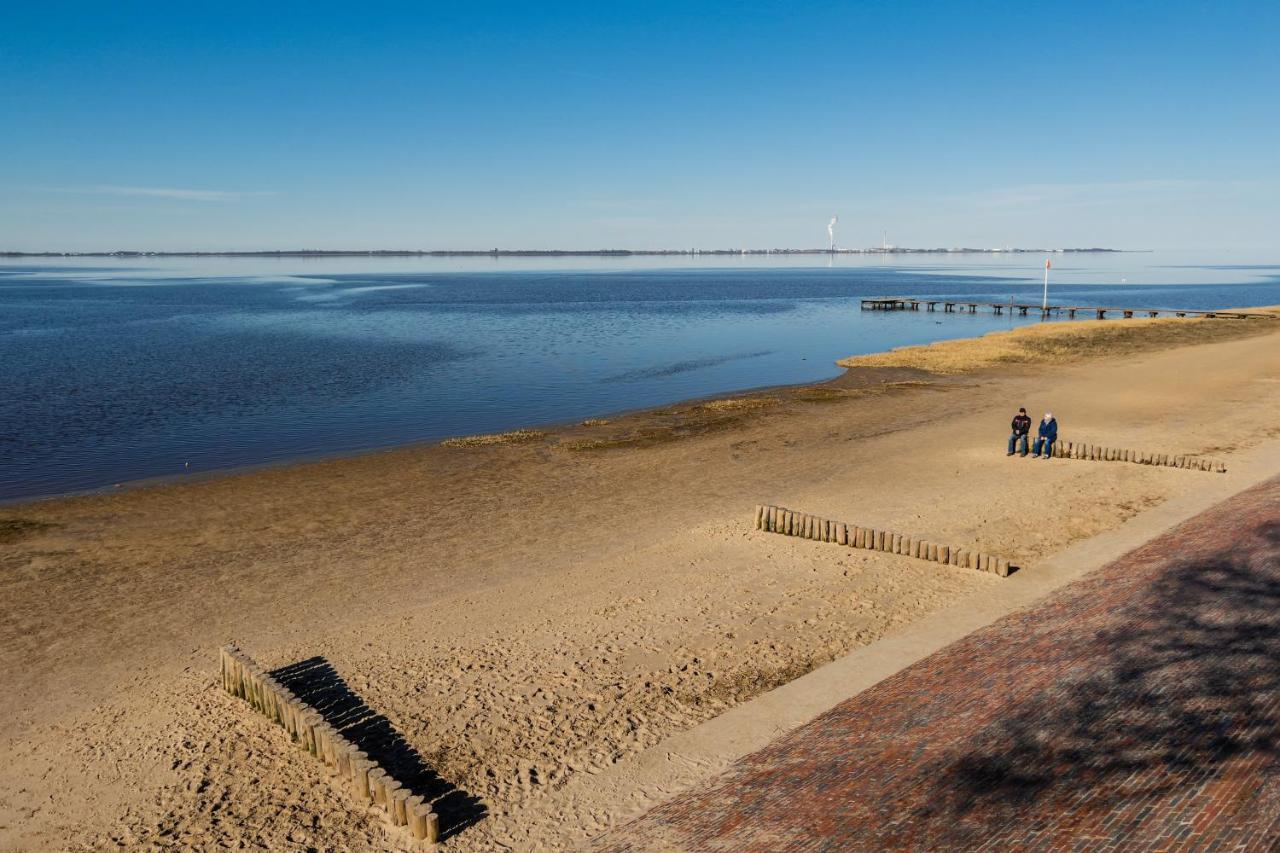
(831, 230)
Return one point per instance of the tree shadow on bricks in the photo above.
(317, 683)
(1155, 701)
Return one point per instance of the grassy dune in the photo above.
(1061, 343)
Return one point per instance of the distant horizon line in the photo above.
(477, 253)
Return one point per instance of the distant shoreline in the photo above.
(550, 253)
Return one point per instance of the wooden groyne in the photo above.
(777, 519)
(1103, 453)
(960, 306)
(348, 764)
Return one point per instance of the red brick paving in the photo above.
(1137, 709)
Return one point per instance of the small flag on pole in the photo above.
(1047, 264)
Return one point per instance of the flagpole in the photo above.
(1044, 305)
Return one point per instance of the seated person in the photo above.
(1045, 437)
(1021, 427)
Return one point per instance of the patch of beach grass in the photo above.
(12, 529)
(738, 404)
(519, 436)
(1062, 343)
(699, 419)
(644, 437)
(590, 422)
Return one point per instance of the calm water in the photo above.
(114, 371)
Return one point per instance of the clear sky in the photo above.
(214, 126)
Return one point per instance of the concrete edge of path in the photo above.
(622, 792)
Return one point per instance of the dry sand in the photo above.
(530, 610)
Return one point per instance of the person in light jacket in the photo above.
(1045, 437)
(1021, 427)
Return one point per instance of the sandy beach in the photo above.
(531, 609)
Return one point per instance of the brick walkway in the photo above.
(1138, 708)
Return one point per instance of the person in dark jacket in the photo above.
(1045, 437)
(1021, 427)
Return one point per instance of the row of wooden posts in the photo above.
(1101, 453)
(368, 783)
(776, 519)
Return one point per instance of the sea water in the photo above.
(114, 370)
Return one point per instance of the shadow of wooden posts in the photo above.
(317, 683)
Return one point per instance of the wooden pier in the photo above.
(951, 306)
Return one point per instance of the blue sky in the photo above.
(531, 125)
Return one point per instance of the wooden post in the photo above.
(418, 821)
(758, 520)
(376, 776)
(401, 803)
(390, 788)
(842, 534)
(944, 552)
(360, 768)
(342, 752)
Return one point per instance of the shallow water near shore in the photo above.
(116, 370)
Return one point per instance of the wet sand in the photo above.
(529, 610)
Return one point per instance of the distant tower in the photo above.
(884, 242)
